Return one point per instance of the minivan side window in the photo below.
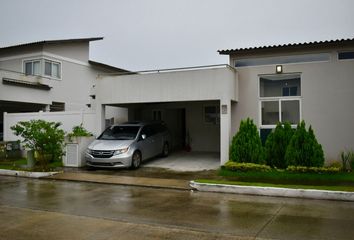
(148, 131)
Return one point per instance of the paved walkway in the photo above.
(124, 180)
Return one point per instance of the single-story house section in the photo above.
(203, 107)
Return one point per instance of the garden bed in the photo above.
(21, 165)
(340, 181)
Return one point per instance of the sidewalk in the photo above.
(123, 180)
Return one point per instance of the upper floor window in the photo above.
(33, 67)
(345, 55)
(280, 99)
(52, 69)
(42, 67)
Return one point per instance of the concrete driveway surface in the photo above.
(49, 209)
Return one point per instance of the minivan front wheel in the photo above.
(136, 160)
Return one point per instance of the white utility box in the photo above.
(75, 151)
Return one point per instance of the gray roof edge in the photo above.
(285, 46)
(54, 41)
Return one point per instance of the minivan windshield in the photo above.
(120, 133)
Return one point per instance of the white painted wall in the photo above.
(191, 85)
(68, 120)
(327, 91)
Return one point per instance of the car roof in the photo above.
(139, 123)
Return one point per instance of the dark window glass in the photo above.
(48, 69)
(346, 55)
(264, 134)
(148, 131)
(293, 91)
(290, 91)
(286, 91)
(120, 133)
(28, 68)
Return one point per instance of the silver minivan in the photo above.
(127, 145)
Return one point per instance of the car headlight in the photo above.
(88, 151)
(120, 151)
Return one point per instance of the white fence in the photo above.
(68, 120)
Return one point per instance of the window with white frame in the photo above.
(212, 114)
(32, 67)
(42, 67)
(280, 99)
(51, 68)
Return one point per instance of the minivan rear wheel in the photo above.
(136, 160)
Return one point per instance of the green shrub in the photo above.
(246, 144)
(79, 131)
(303, 149)
(246, 167)
(276, 145)
(45, 138)
(302, 169)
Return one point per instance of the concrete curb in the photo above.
(274, 192)
(28, 174)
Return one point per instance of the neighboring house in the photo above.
(54, 75)
(203, 107)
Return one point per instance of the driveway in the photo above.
(183, 161)
(44, 209)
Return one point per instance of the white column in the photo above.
(225, 129)
(100, 118)
(5, 127)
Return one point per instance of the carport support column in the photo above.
(100, 118)
(225, 128)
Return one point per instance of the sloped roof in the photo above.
(289, 46)
(73, 40)
(106, 66)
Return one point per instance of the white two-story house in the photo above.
(54, 75)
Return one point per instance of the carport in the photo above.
(195, 104)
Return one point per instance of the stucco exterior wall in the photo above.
(78, 51)
(326, 93)
(193, 85)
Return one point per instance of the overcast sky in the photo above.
(155, 34)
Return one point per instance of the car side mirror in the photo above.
(143, 136)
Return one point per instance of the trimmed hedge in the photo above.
(276, 145)
(303, 149)
(246, 167)
(246, 144)
(301, 169)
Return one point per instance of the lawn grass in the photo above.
(257, 184)
(21, 164)
(288, 178)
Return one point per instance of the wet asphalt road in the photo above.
(102, 211)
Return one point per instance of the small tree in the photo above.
(276, 145)
(46, 138)
(246, 144)
(303, 149)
